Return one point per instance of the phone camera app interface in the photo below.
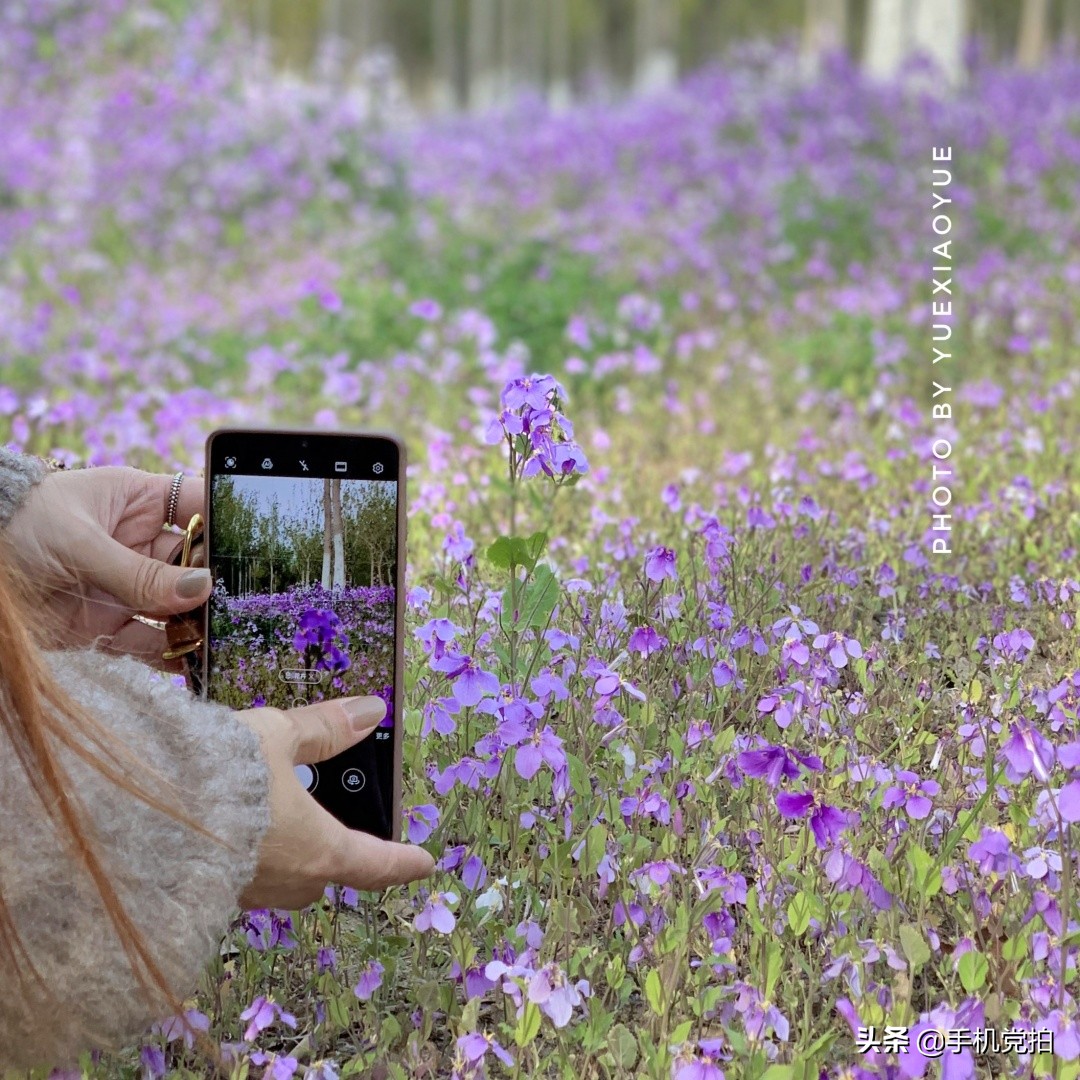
(304, 602)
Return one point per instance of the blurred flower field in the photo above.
(722, 761)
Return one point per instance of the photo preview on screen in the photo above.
(303, 609)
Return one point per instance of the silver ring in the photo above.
(174, 499)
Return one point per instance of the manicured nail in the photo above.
(364, 712)
(193, 584)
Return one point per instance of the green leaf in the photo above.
(528, 1027)
(973, 969)
(623, 1047)
(509, 552)
(595, 847)
(389, 1030)
(774, 961)
(777, 1072)
(654, 992)
(914, 946)
(682, 1032)
(927, 877)
(798, 913)
(580, 778)
(501, 553)
(538, 601)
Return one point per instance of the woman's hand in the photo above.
(307, 848)
(91, 542)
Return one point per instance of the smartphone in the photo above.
(305, 538)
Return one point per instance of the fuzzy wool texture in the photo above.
(181, 888)
(18, 474)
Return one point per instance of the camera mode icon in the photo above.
(230, 463)
(353, 780)
(267, 463)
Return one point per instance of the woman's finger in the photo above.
(326, 728)
(192, 498)
(144, 584)
(363, 861)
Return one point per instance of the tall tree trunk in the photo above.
(511, 23)
(1070, 23)
(443, 35)
(938, 30)
(483, 37)
(328, 45)
(888, 33)
(327, 565)
(1034, 16)
(262, 34)
(655, 32)
(558, 51)
(824, 31)
(338, 534)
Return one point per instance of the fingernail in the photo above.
(193, 584)
(364, 712)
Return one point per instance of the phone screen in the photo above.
(302, 541)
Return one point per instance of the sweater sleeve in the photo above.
(18, 474)
(180, 887)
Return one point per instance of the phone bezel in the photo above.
(328, 437)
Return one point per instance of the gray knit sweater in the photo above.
(180, 887)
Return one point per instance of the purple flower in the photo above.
(184, 1027)
(1015, 645)
(839, 648)
(263, 1013)
(436, 914)
(645, 640)
(776, 762)
(427, 309)
(1068, 801)
(1026, 751)
(992, 853)
(470, 682)
(152, 1059)
(545, 746)
(912, 794)
(555, 994)
(370, 981)
(473, 873)
(826, 822)
(421, 822)
(660, 564)
(474, 1046)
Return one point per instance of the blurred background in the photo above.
(473, 54)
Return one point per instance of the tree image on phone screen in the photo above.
(303, 609)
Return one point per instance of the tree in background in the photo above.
(477, 53)
(1034, 30)
(898, 28)
(655, 31)
(333, 568)
(371, 537)
(483, 39)
(825, 30)
(234, 532)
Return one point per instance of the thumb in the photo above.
(366, 862)
(323, 730)
(149, 585)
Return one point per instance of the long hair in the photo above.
(37, 718)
